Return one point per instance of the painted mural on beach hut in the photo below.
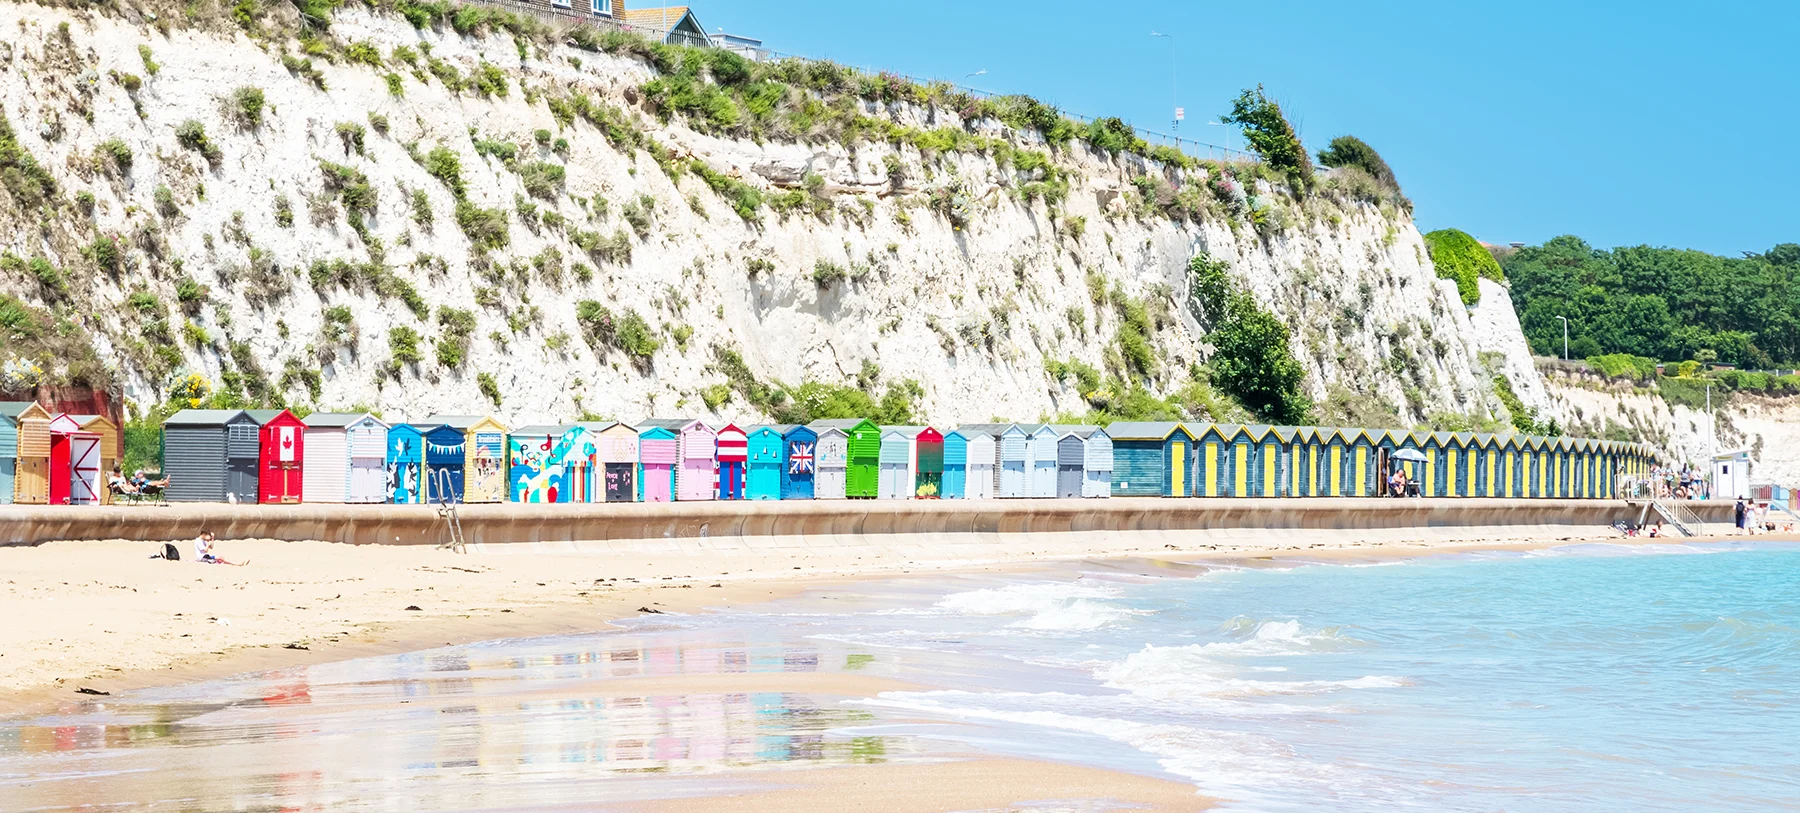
(551, 463)
(899, 462)
(733, 457)
(800, 462)
(405, 481)
(281, 475)
(484, 477)
(833, 462)
(659, 450)
(928, 456)
(1151, 458)
(31, 468)
(767, 446)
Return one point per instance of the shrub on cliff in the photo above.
(1252, 360)
(1268, 132)
(1462, 258)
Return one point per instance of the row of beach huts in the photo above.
(272, 456)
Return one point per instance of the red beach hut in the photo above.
(279, 457)
(734, 455)
(74, 463)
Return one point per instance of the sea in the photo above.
(1589, 677)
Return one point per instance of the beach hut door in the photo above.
(621, 484)
(84, 471)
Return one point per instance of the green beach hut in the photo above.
(862, 476)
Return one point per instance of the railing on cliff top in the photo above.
(1192, 147)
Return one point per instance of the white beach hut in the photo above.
(899, 462)
(832, 462)
(1041, 461)
(344, 458)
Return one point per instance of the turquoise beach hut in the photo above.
(1151, 459)
(956, 464)
(799, 463)
(767, 445)
(406, 464)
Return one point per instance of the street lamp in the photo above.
(1565, 322)
(1176, 125)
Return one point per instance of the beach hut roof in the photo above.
(905, 431)
(262, 416)
(460, 422)
(544, 429)
(598, 426)
(202, 417)
(664, 423)
(990, 429)
(1080, 430)
(1143, 430)
(333, 420)
(10, 409)
(777, 428)
(839, 423)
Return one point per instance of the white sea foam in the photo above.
(1211, 669)
(1047, 606)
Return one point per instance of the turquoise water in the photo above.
(1586, 678)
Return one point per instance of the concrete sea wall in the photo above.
(699, 525)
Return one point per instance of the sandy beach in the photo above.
(104, 616)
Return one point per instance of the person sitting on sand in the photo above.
(203, 550)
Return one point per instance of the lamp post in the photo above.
(1565, 323)
(1174, 106)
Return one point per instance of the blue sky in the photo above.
(1622, 122)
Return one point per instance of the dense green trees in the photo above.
(1252, 360)
(1666, 304)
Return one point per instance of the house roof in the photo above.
(202, 417)
(333, 420)
(657, 19)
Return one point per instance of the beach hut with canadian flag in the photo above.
(280, 461)
(733, 457)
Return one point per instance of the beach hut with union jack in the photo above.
(800, 466)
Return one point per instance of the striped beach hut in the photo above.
(697, 472)
(899, 461)
(768, 447)
(344, 458)
(31, 466)
(659, 451)
(732, 454)
(405, 481)
(1041, 461)
(484, 456)
(956, 464)
(1151, 458)
(210, 455)
(616, 461)
(832, 461)
(799, 462)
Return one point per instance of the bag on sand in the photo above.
(170, 552)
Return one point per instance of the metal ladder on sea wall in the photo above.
(1676, 514)
(446, 509)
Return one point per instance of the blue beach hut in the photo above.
(1151, 458)
(956, 464)
(405, 464)
(446, 458)
(800, 461)
(767, 445)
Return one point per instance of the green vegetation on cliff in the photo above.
(1457, 256)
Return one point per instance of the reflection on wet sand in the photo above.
(512, 723)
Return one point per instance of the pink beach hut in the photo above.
(659, 448)
(696, 472)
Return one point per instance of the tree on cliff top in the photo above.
(1271, 136)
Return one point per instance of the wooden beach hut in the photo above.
(1041, 461)
(899, 461)
(1151, 458)
(446, 463)
(1278, 467)
(617, 457)
(405, 457)
(659, 452)
(1302, 441)
(767, 453)
(732, 453)
(343, 458)
(31, 468)
(281, 442)
(1071, 459)
(1359, 462)
(484, 456)
(1015, 461)
(832, 461)
(210, 455)
(956, 464)
(1245, 462)
(9, 446)
(928, 455)
(862, 455)
(74, 463)
(799, 462)
(981, 481)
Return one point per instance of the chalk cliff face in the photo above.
(954, 272)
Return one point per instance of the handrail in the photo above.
(1680, 516)
(446, 508)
